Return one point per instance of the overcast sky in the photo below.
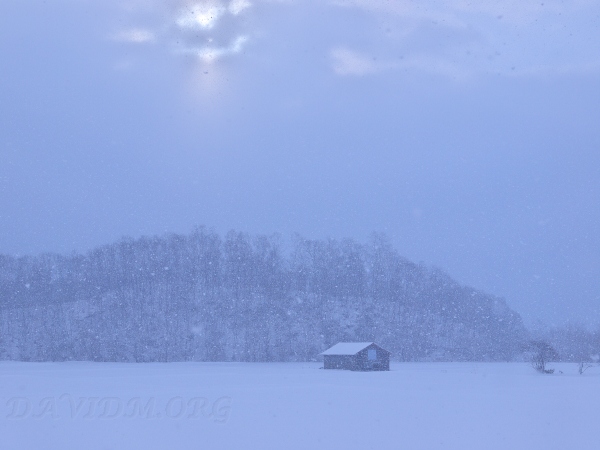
(468, 132)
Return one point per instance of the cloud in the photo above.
(198, 29)
(462, 38)
(210, 54)
(238, 6)
(454, 38)
(406, 9)
(455, 11)
(206, 14)
(203, 15)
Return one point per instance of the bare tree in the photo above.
(583, 366)
(542, 354)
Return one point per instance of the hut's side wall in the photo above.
(381, 363)
(386, 362)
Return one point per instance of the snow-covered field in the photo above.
(296, 406)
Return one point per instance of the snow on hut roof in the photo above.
(346, 348)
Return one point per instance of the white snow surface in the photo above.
(296, 406)
(346, 348)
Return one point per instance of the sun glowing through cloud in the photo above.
(201, 15)
(211, 53)
(206, 14)
(198, 31)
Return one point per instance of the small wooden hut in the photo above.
(356, 356)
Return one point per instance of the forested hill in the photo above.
(243, 298)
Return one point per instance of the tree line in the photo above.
(207, 297)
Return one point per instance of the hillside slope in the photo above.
(241, 298)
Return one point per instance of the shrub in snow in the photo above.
(542, 353)
(583, 366)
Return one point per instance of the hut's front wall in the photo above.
(347, 362)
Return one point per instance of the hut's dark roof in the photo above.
(347, 348)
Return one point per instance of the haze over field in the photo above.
(467, 132)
